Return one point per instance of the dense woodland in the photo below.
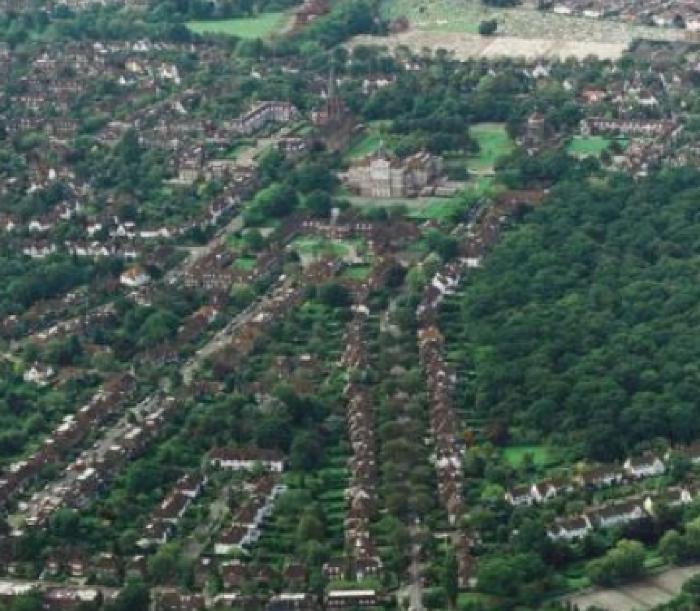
(580, 326)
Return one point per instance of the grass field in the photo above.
(436, 208)
(587, 146)
(367, 144)
(312, 247)
(464, 17)
(245, 263)
(514, 455)
(262, 26)
(494, 143)
(522, 32)
(356, 272)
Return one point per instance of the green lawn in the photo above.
(369, 142)
(356, 272)
(366, 145)
(317, 246)
(585, 146)
(494, 142)
(262, 26)
(514, 455)
(245, 263)
(417, 208)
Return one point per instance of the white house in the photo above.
(647, 465)
(38, 374)
(548, 489)
(617, 513)
(519, 495)
(570, 529)
(232, 539)
(135, 277)
(245, 459)
(601, 477)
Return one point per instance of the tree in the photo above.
(306, 452)
(624, 562)
(692, 588)
(671, 547)
(310, 528)
(27, 602)
(488, 27)
(320, 203)
(165, 565)
(275, 201)
(134, 596)
(504, 576)
(65, 523)
(450, 577)
(334, 295)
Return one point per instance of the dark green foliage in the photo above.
(488, 27)
(580, 324)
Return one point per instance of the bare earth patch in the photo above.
(638, 596)
(467, 46)
(522, 32)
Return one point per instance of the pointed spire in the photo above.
(331, 83)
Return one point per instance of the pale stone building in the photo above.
(384, 176)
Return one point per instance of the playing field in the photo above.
(494, 142)
(262, 26)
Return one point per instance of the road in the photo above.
(199, 538)
(413, 590)
(223, 337)
(55, 493)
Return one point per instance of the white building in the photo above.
(135, 277)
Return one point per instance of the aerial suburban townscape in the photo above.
(350, 304)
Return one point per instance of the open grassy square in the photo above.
(262, 26)
(513, 455)
(494, 142)
(366, 145)
(587, 146)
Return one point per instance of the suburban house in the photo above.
(647, 465)
(616, 514)
(600, 477)
(135, 277)
(519, 495)
(232, 539)
(348, 599)
(570, 529)
(292, 601)
(548, 489)
(239, 459)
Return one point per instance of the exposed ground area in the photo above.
(646, 594)
(522, 32)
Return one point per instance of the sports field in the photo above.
(262, 26)
(494, 142)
